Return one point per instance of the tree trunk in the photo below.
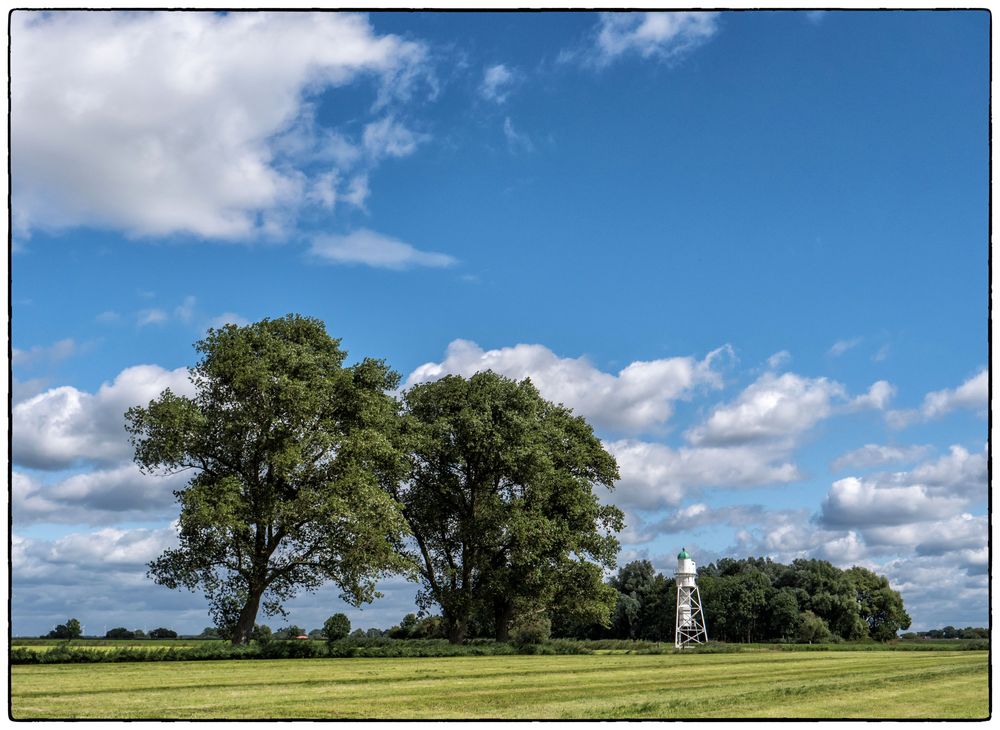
(456, 630)
(503, 614)
(245, 624)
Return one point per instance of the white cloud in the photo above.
(973, 394)
(654, 475)
(871, 455)
(775, 407)
(496, 85)
(934, 537)
(779, 359)
(659, 35)
(959, 472)
(841, 346)
(185, 310)
(516, 141)
(388, 138)
(99, 497)
(44, 353)
(877, 397)
(151, 316)
(638, 397)
(159, 123)
(228, 318)
(374, 249)
(854, 502)
(64, 426)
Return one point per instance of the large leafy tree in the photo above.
(880, 607)
(501, 503)
(290, 454)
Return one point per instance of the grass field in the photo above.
(937, 684)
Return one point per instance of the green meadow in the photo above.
(841, 684)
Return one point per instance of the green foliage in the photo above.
(119, 632)
(262, 634)
(880, 607)
(290, 452)
(532, 629)
(69, 630)
(162, 633)
(501, 503)
(337, 627)
(812, 629)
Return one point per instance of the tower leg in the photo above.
(690, 621)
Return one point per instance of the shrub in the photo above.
(531, 630)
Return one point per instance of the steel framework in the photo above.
(690, 626)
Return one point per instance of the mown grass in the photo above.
(936, 685)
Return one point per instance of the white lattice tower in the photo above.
(690, 625)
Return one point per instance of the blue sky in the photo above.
(751, 247)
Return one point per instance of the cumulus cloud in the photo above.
(871, 455)
(654, 475)
(664, 36)
(855, 502)
(496, 84)
(157, 123)
(936, 594)
(934, 537)
(64, 426)
(773, 407)
(99, 497)
(700, 514)
(959, 472)
(374, 249)
(638, 397)
(877, 397)
(100, 578)
(973, 394)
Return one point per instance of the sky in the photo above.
(751, 248)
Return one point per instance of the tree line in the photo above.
(755, 599)
(307, 470)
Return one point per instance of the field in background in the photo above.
(883, 684)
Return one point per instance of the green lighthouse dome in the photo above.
(683, 554)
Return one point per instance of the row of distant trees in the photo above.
(949, 632)
(755, 599)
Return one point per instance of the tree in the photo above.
(290, 454)
(209, 632)
(337, 627)
(288, 632)
(812, 628)
(162, 633)
(405, 628)
(69, 630)
(783, 610)
(500, 500)
(119, 632)
(262, 634)
(880, 607)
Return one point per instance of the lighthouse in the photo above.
(690, 626)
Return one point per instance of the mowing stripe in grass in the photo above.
(597, 686)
